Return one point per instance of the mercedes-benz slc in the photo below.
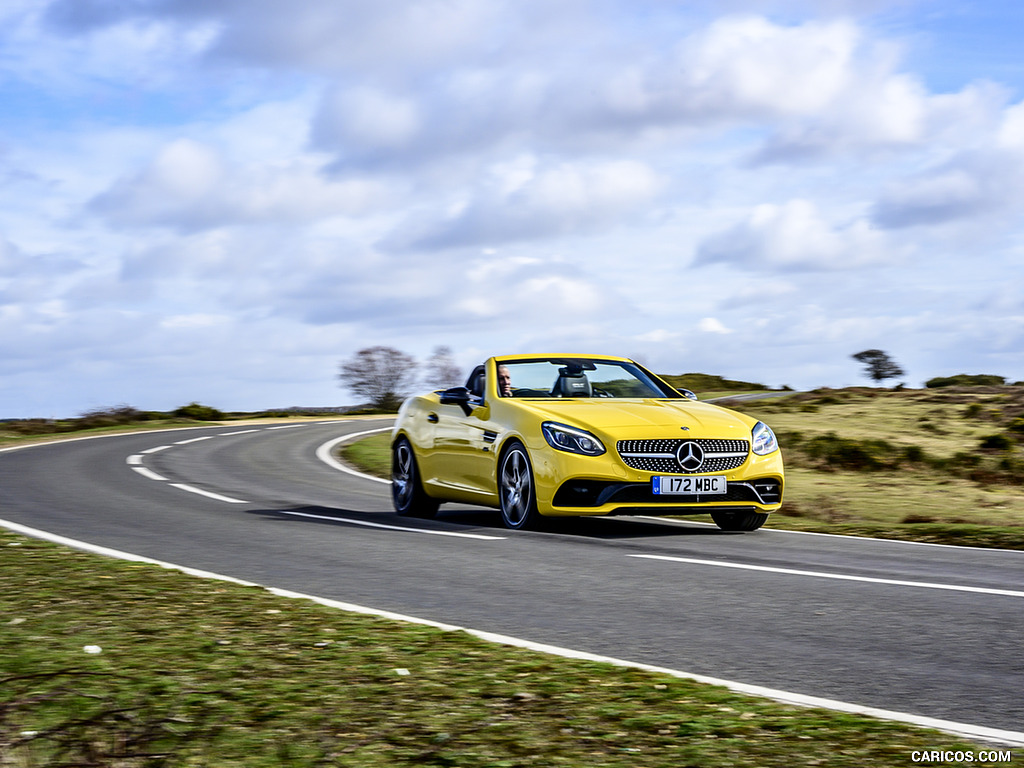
(562, 435)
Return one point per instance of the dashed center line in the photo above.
(150, 474)
(208, 494)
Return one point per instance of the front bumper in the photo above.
(573, 485)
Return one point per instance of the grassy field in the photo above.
(943, 466)
(114, 664)
(929, 465)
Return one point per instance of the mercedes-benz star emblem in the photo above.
(690, 456)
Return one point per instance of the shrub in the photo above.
(109, 417)
(198, 412)
(966, 380)
(846, 453)
(962, 458)
(915, 454)
(998, 442)
(31, 427)
(912, 519)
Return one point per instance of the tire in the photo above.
(407, 494)
(516, 489)
(739, 521)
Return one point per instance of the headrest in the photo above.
(572, 385)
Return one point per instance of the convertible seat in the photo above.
(569, 385)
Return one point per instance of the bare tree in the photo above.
(878, 365)
(383, 375)
(442, 371)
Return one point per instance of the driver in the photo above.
(504, 382)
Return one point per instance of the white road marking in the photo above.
(967, 730)
(135, 462)
(150, 474)
(844, 536)
(208, 494)
(839, 576)
(393, 527)
(324, 453)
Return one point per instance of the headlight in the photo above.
(570, 439)
(763, 438)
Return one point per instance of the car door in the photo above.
(464, 448)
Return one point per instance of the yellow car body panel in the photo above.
(458, 452)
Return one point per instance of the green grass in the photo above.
(195, 672)
(371, 454)
(848, 471)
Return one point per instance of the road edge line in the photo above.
(323, 452)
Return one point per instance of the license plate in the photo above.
(688, 486)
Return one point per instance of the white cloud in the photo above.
(1011, 130)
(713, 325)
(524, 201)
(744, 64)
(971, 185)
(368, 119)
(191, 186)
(794, 236)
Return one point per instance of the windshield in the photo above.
(577, 377)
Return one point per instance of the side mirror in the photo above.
(687, 394)
(459, 396)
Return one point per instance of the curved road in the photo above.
(927, 630)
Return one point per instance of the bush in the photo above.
(198, 412)
(966, 380)
(109, 417)
(997, 442)
(974, 410)
(846, 453)
(915, 454)
(32, 427)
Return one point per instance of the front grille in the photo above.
(660, 455)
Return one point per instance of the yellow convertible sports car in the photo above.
(569, 435)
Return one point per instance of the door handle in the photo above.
(432, 418)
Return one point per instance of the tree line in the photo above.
(385, 376)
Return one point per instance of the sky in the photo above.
(222, 200)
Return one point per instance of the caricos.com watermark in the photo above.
(961, 756)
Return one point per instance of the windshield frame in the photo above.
(630, 369)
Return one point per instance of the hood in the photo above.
(645, 419)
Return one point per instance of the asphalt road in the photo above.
(931, 631)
